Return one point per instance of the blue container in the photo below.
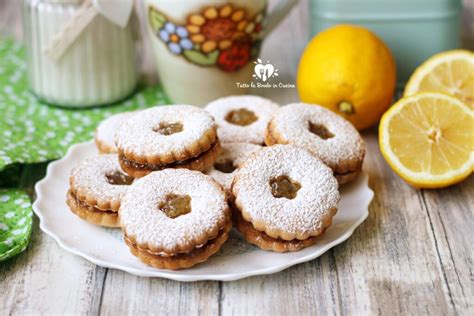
(413, 29)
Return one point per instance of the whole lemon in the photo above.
(349, 70)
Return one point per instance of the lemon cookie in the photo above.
(175, 218)
(327, 135)
(242, 118)
(179, 136)
(96, 189)
(284, 198)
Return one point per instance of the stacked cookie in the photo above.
(172, 175)
(175, 218)
(179, 136)
(325, 134)
(97, 186)
(284, 198)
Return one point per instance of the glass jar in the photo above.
(98, 67)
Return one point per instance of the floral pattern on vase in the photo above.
(225, 36)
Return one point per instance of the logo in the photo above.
(264, 71)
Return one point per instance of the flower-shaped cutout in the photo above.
(175, 37)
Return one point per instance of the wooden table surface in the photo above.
(413, 255)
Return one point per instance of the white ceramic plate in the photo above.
(237, 259)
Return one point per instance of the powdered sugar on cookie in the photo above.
(105, 132)
(138, 135)
(338, 144)
(234, 154)
(262, 108)
(301, 217)
(90, 184)
(149, 227)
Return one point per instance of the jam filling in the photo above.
(118, 178)
(344, 174)
(264, 235)
(183, 255)
(320, 131)
(226, 166)
(242, 117)
(169, 128)
(175, 205)
(89, 207)
(284, 187)
(149, 166)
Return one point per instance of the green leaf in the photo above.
(199, 58)
(255, 49)
(156, 19)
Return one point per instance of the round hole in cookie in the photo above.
(175, 205)
(320, 130)
(226, 166)
(242, 117)
(168, 128)
(118, 178)
(284, 187)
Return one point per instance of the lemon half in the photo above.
(451, 72)
(428, 139)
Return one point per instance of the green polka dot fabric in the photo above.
(31, 131)
(34, 132)
(15, 222)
